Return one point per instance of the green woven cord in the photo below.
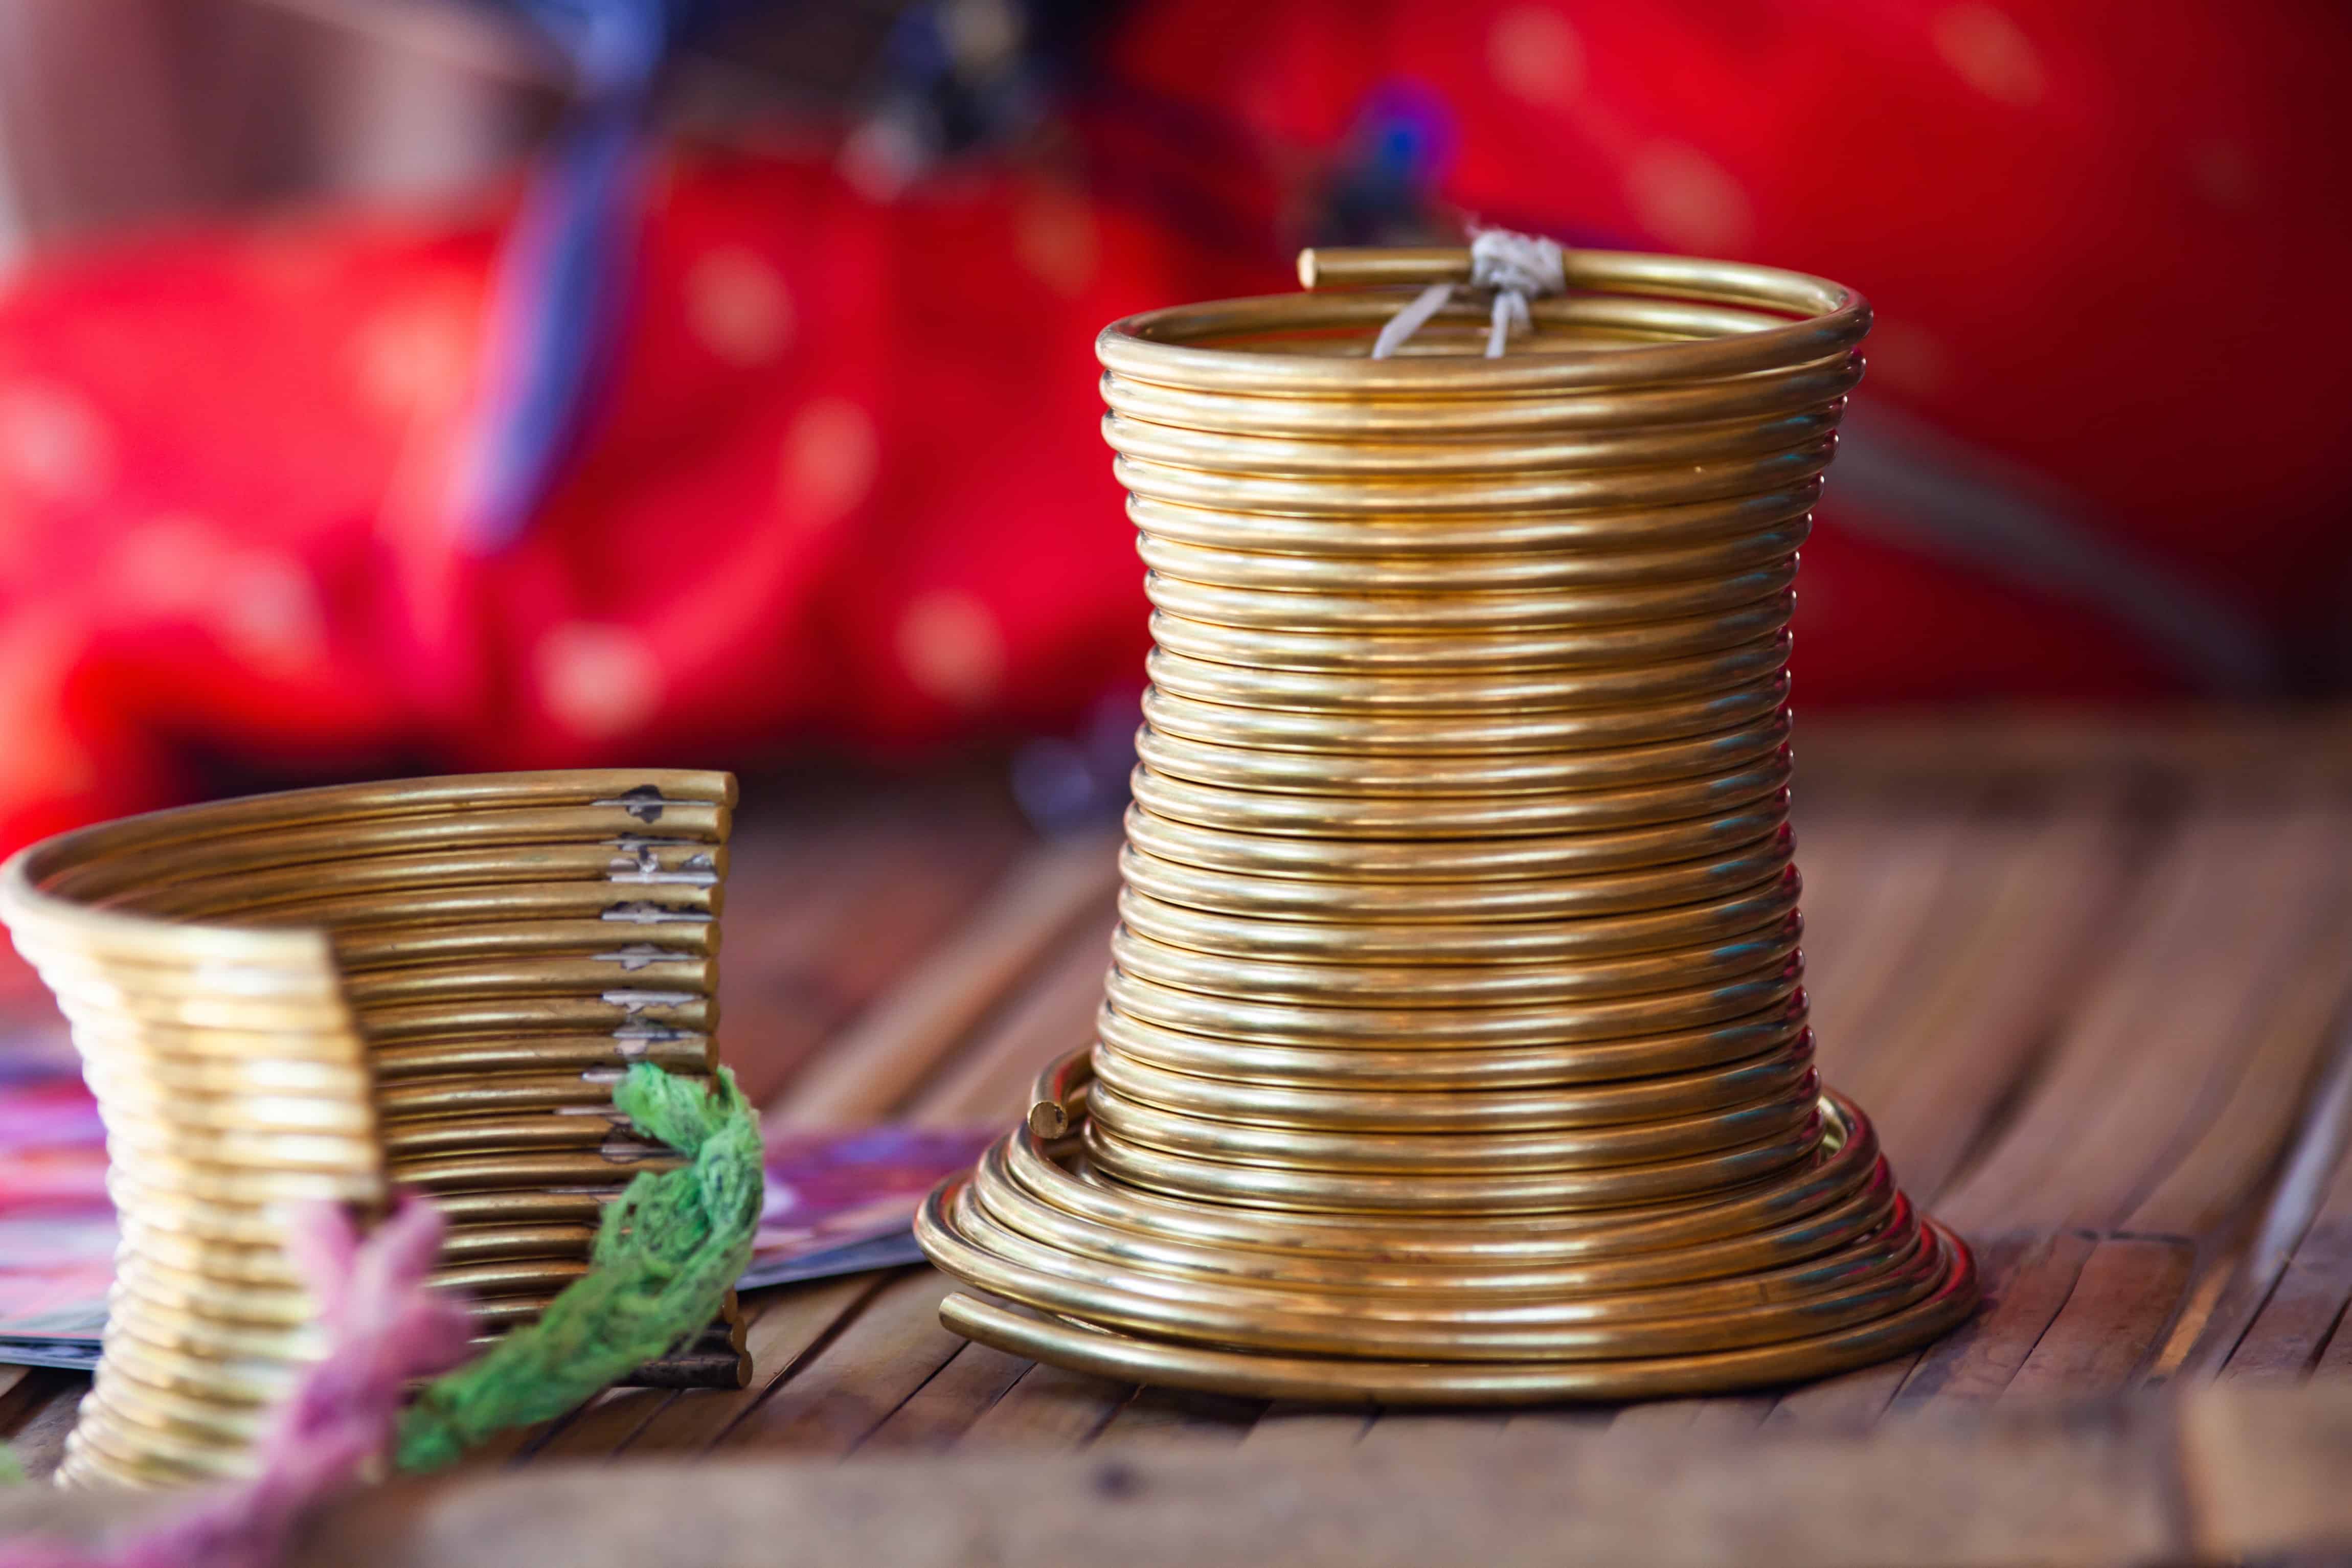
(667, 1254)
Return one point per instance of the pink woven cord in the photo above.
(384, 1329)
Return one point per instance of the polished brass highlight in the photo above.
(316, 994)
(1455, 1046)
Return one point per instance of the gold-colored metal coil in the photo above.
(1853, 1281)
(1108, 1224)
(1472, 456)
(1613, 489)
(1455, 1047)
(1267, 1185)
(311, 995)
(1439, 613)
(1461, 817)
(1349, 1107)
(1454, 1153)
(1261, 1019)
(1515, 941)
(1579, 542)
(1311, 692)
(1762, 394)
(1579, 648)
(1497, 778)
(1418, 735)
(1770, 950)
(1503, 858)
(1466, 572)
(1503, 899)
(1410, 1062)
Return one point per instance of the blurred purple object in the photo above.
(844, 1201)
(57, 1225)
(1064, 782)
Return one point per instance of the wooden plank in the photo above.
(2208, 1280)
(943, 1409)
(793, 1325)
(2285, 1342)
(2147, 1481)
(850, 1385)
(1727, 1414)
(1950, 1048)
(45, 1420)
(2124, 1298)
(988, 1081)
(2265, 1473)
(1422, 1431)
(1048, 1408)
(1581, 1418)
(1838, 856)
(821, 919)
(2218, 746)
(2335, 1362)
(1851, 1402)
(2297, 1274)
(2217, 1475)
(865, 1072)
(1157, 1417)
(2027, 1280)
(2225, 919)
(603, 1428)
(2251, 1107)
(1852, 957)
(514, 1446)
(1301, 1430)
(21, 1394)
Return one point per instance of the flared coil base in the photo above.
(1821, 1269)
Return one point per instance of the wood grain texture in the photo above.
(1154, 1417)
(1955, 1036)
(1307, 1430)
(2216, 1477)
(989, 1079)
(851, 1386)
(792, 1327)
(897, 1046)
(45, 1419)
(945, 1407)
(1049, 1407)
(2085, 985)
(2123, 1299)
(838, 890)
(2162, 1034)
(2027, 1282)
(2305, 1307)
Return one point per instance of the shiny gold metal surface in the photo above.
(1304, 690)
(1456, 942)
(1454, 1048)
(1544, 778)
(1572, 648)
(315, 994)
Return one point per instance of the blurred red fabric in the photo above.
(849, 485)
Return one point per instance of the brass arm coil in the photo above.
(1455, 1047)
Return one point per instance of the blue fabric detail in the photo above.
(560, 288)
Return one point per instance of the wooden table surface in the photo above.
(2087, 975)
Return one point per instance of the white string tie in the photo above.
(1519, 267)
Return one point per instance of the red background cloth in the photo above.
(849, 485)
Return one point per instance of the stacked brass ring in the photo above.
(307, 994)
(1454, 1048)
